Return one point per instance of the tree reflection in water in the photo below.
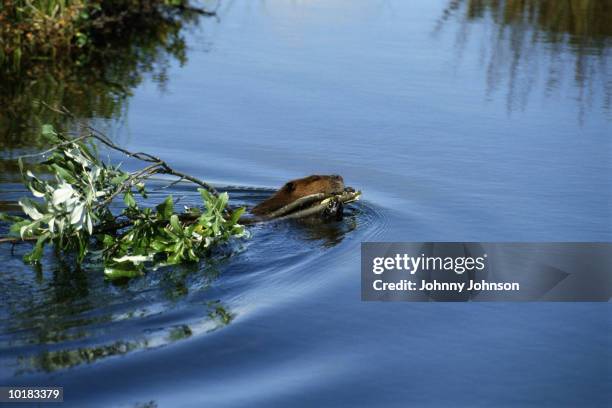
(97, 85)
(565, 38)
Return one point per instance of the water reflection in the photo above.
(53, 360)
(62, 342)
(95, 86)
(329, 234)
(559, 40)
(58, 317)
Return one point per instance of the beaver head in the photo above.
(299, 188)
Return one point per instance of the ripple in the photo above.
(57, 318)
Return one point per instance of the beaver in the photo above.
(295, 189)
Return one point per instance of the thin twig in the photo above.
(285, 214)
(297, 203)
(345, 198)
(197, 181)
(15, 240)
(55, 147)
(127, 184)
(164, 168)
(174, 183)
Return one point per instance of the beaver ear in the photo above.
(289, 187)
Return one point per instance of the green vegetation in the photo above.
(39, 29)
(91, 81)
(73, 211)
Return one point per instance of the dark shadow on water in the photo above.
(569, 40)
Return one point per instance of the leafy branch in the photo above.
(71, 210)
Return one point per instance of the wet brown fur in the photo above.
(299, 188)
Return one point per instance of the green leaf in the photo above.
(159, 245)
(16, 227)
(108, 240)
(37, 253)
(63, 173)
(122, 270)
(222, 201)
(141, 189)
(48, 131)
(166, 209)
(119, 179)
(10, 218)
(129, 200)
(206, 196)
(236, 214)
(175, 223)
(174, 259)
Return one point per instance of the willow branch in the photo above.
(287, 212)
(296, 204)
(345, 198)
(15, 240)
(164, 167)
(127, 184)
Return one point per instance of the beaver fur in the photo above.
(298, 188)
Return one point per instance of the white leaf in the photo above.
(62, 194)
(70, 203)
(77, 214)
(89, 224)
(23, 230)
(52, 225)
(36, 192)
(76, 155)
(135, 259)
(30, 210)
(60, 225)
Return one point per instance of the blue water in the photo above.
(449, 134)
